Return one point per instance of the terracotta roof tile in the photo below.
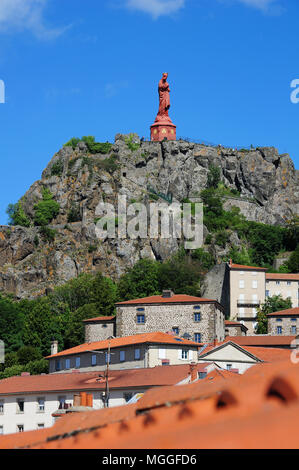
(112, 317)
(155, 337)
(286, 312)
(282, 276)
(241, 266)
(261, 340)
(258, 410)
(158, 299)
(149, 377)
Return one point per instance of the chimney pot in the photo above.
(167, 293)
(54, 347)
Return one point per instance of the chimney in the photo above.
(25, 374)
(83, 396)
(77, 399)
(166, 294)
(193, 372)
(89, 400)
(230, 262)
(54, 347)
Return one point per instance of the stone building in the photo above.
(284, 322)
(235, 328)
(195, 318)
(100, 328)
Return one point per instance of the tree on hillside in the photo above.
(293, 261)
(140, 281)
(272, 304)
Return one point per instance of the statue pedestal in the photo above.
(163, 129)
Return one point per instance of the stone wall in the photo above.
(168, 316)
(99, 331)
(286, 323)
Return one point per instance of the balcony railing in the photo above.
(248, 303)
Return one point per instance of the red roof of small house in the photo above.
(256, 410)
(99, 319)
(285, 313)
(282, 277)
(174, 299)
(154, 337)
(235, 323)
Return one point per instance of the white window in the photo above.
(241, 272)
(67, 363)
(162, 353)
(137, 354)
(41, 405)
(254, 273)
(241, 298)
(254, 284)
(254, 310)
(122, 356)
(20, 405)
(241, 283)
(241, 310)
(184, 354)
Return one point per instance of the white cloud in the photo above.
(267, 6)
(156, 8)
(20, 15)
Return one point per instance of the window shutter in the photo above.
(190, 355)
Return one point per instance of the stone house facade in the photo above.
(200, 320)
(284, 322)
(234, 328)
(286, 285)
(100, 328)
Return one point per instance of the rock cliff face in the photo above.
(29, 264)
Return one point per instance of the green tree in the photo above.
(28, 353)
(75, 332)
(17, 215)
(293, 261)
(11, 324)
(213, 176)
(46, 209)
(272, 304)
(181, 274)
(140, 281)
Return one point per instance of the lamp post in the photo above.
(106, 401)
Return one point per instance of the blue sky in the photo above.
(91, 67)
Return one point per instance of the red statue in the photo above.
(163, 128)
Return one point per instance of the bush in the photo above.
(17, 215)
(133, 146)
(213, 176)
(46, 210)
(27, 354)
(73, 142)
(48, 233)
(109, 164)
(57, 168)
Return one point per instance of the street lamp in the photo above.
(107, 393)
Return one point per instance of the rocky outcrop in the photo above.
(29, 264)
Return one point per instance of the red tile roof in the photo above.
(282, 277)
(287, 312)
(112, 317)
(158, 299)
(235, 323)
(258, 410)
(245, 268)
(261, 340)
(155, 337)
(150, 377)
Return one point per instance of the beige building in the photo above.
(130, 352)
(200, 320)
(284, 322)
(286, 285)
(247, 293)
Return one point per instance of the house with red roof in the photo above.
(35, 402)
(136, 351)
(284, 322)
